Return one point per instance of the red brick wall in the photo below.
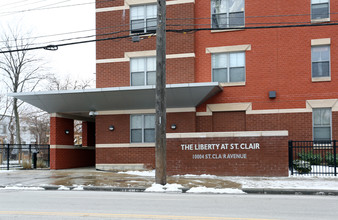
(271, 63)
(228, 121)
(105, 4)
(270, 160)
(112, 74)
(299, 125)
(121, 132)
(71, 158)
(180, 70)
(67, 158)
(88, 133)
(142, 155)
(204, 123)
(185, 122)
(58, 126)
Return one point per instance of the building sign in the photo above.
(220, 150)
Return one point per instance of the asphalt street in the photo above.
(19, 204)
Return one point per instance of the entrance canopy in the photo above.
(81, 102)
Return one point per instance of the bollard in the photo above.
(7, 156)
(34, 159)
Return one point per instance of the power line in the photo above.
(258, 16)
(124, 25)
(185, 30)
(38, 9)
(83, 37)
(72, 32)
(47, 8)
(246, 24)
(172, 30)
(13, 3)
(253, 27)
(54, 4)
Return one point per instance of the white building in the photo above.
(5, 133)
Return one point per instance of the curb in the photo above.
(184, 190)
(98, 188)
(114, 189)
(290, 191)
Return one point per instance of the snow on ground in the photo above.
(63, 188)
(200, 176)
(6, 171)
(150, 173)
(78, 188)
(292, 182)
(166, 188)
(328, 183)
(204, 189)
(22, 188)
(178, 188)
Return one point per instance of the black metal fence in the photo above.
(24, 156)
(313, 158)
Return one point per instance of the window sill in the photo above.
(321, 79)
(320, 20)
(142, 34)
(145, 144)
(232, 84)
(227, 30)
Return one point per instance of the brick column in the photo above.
(58, 138)
(88, 134)
(63, 153)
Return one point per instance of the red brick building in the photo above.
(238, 72)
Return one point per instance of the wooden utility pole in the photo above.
(161, 102)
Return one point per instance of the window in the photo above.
(142, 128)
(143, 18)
(320, 57)
(320, 9)
(143, 71)
(227, 13)
(228, 67)
(321, 124)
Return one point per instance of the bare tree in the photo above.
(5, 104)
(38, 123)
(67, 83)
(19, 68)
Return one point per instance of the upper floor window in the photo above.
(143, 71)
(321, 124)
(143, 18)
(142, 128)
(320, 9)
(227, 13)
(320, 57)
(228, 67)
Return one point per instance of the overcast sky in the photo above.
(52, 18)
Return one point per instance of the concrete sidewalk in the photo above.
(91, 179)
